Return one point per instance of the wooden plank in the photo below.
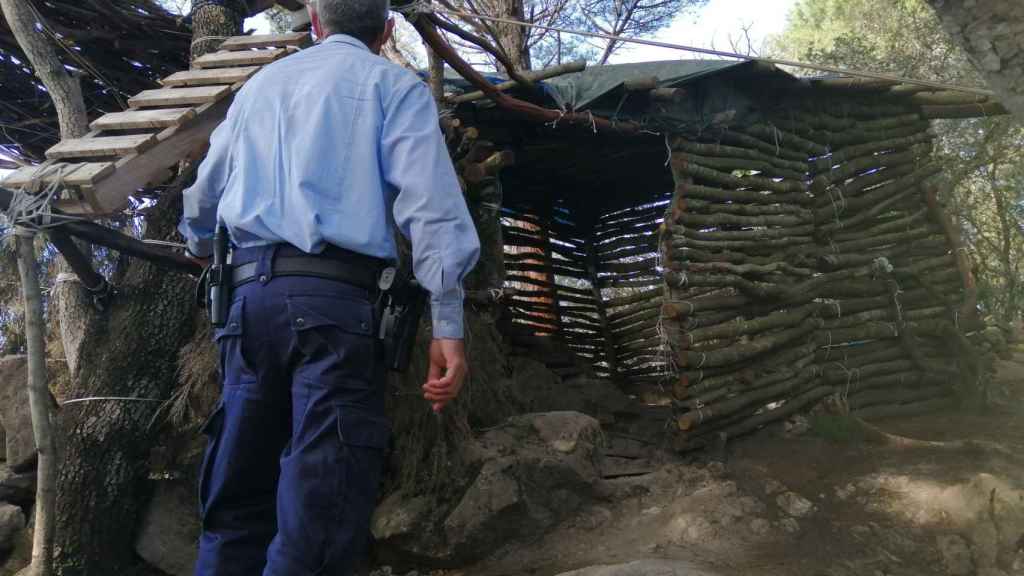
(132, 119)
(89, 173)
(210, 76)
(242, 58)
(139, 170)
(265, 41)
(85, 174)
(101, 146)
(178, 96)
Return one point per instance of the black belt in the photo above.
(365, 277)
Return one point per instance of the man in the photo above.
(320, 154)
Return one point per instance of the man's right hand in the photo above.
(447, 372)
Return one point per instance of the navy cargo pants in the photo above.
(297, 440)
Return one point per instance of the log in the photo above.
(695, 417)
(723, 219)
(744, 351)
(794, 191)
(719, 206)
(783, 138)
(723, 151)
(865, 163)
(773, 149)
(729, 164)
(850, 153)
(746, 327)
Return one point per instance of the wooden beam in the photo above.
(265, 41)
(85, 174)
(136, 119)
(210, 76)
(101, 146)
(178, 96)
(243, 58)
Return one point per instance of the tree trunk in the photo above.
(512, 39)
(992, 33)
(133, 351)
(65, 90)
(39, 404)
(71, 305)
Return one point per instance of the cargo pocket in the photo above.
(336, 336)
(363, 439)
(230, 345)
(212, 429)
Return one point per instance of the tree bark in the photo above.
(133, 351)
(63, 88)
(39, 404)
(992, 33)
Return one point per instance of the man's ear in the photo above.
(389, 30)
(314, 20)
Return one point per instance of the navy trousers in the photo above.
(296, 443)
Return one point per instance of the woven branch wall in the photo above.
(800, 256)
(807, 257)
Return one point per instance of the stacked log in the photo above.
(805, 257)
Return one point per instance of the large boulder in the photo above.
(12, 522)
(643, 568)
(531, 473)
(170, 528)
(15, 416)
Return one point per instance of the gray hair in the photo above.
(362, 19)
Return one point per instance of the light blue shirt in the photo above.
(334, 145)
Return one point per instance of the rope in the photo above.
(31, 212)
(423, 7)
(109, 399)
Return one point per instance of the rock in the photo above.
(14, 413)
(400, 516)
(789, 525)
(170, 528)
(12, 522)
(564, 430)
(716, 469)
(773, 486)
(844, 492)
(750, 505)
(956, 555)
(532, 473)
(643, 568)
(797, 426)
(17, 489)
(794, 504)
(760, 526)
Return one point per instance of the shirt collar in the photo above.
(345, 39)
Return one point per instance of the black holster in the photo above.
(216, 280)
(402, 300)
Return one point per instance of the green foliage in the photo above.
(984, 168)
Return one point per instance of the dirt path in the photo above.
(811, 506)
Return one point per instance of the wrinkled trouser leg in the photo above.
(246, 434)
(331, 469)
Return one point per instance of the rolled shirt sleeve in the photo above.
(429, 209)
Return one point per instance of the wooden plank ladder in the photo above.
(136, 148)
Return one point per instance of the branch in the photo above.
(485, 46)
(525, 109)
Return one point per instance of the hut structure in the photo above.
(718, 237)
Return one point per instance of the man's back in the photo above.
(307, 134)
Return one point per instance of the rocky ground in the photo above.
(600, 494)
(808, 498)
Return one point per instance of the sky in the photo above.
(718, 25)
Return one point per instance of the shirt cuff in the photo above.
(446, 317)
